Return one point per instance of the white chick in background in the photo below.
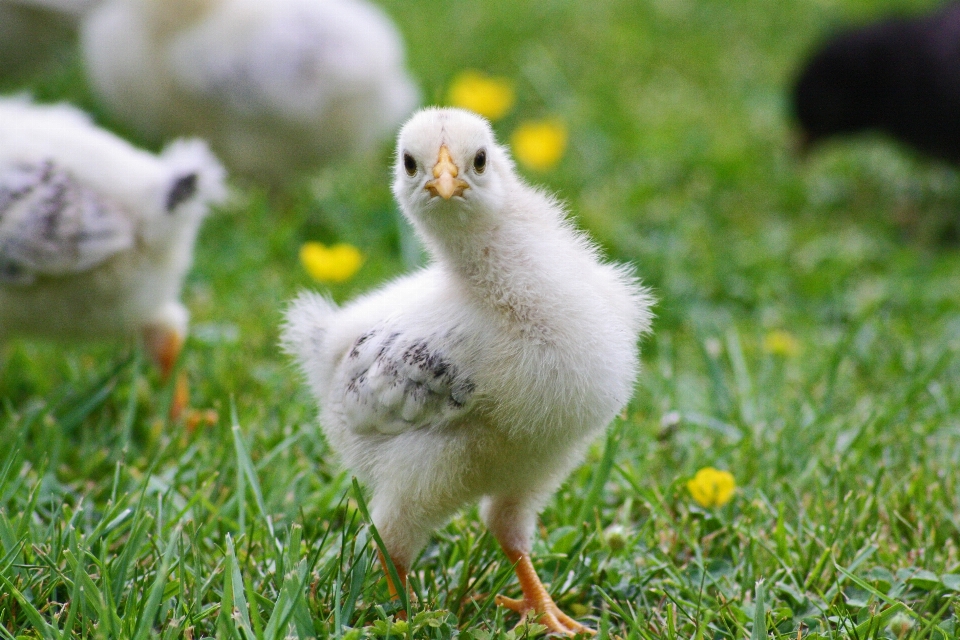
(485, 375)
(276, 86)
(96, 236)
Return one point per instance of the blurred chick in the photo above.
(96, 235)
(277, 86)
(485, 375)
(33, 32)
(900, 76)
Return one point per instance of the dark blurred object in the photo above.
(900, 76)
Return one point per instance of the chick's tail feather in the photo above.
(304, 331)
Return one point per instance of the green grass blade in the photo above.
(246, 466)
(390, 568)
(601, 474)
(759, 631)
(47, 631)
(152, 606)
(291, 596)
(234, 612)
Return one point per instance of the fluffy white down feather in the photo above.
(484, 375)
(276, 86)
(96, 235)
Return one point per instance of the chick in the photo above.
(484, 375)
(900, 76)
(277, 86)
(96, 235)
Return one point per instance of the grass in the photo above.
(115, 524)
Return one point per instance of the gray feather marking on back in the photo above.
(51, 224)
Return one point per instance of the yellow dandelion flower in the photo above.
(781, 343)
(490, 97)
(338, 263)
(540, 145)
(711, 487)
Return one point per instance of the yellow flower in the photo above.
(490, 97)
(330, 264)
(712, 488)
(540, 145)
(781, 343)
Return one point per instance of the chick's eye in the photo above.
(480, 161)
(409, 164)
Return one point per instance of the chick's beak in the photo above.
(445, 182)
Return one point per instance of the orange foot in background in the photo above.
(537, 600)
(164, 346)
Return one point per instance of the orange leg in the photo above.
(181, 399)
(394, 591)
(164, 346)
(536, 599)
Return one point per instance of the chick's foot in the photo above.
(164, 346)
(537, 600)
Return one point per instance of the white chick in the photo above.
(484, 375)
(277, 86)
(96, 235)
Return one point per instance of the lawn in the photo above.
(807, 340)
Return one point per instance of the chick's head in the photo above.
(450, 175)
(191, 179)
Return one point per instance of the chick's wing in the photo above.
(394, 382)
(52, 225)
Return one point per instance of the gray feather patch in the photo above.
(50, 224)
(395, 383)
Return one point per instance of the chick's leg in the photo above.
(404, 530)
(511, 521)
(395, 590)
(164, 345)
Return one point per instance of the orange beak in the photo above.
(445, 182)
